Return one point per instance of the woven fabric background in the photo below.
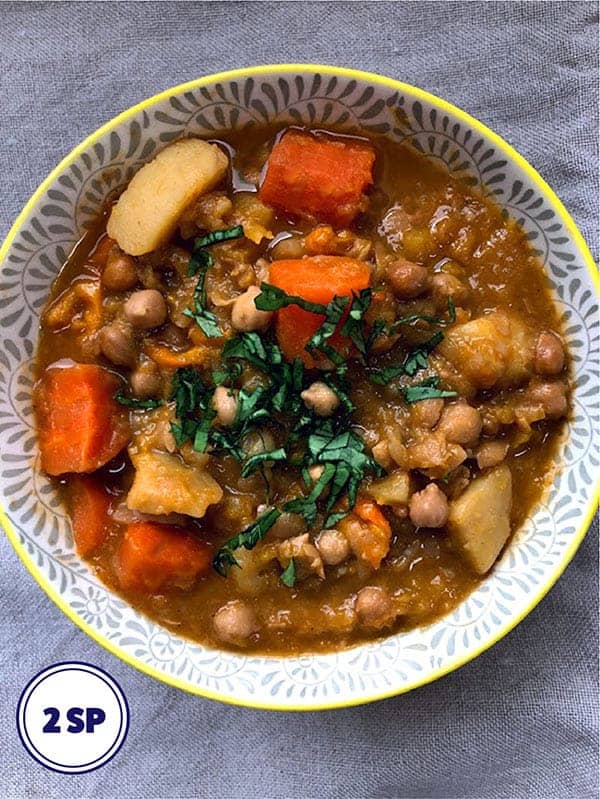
(522, 720)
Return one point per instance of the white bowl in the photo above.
(58, 214)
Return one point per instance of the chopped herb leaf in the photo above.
(134, 402)
(261, 459)
(247, 538)
(288, 575)
(354, 328)
(417, 359)
(193, 408)
(219, 236)
(273, 298)
(433, 320)
(428, 389)
(200, 263)
(386, 375)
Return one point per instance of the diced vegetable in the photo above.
(155, 557)
(317, 176)
(164, 484)
(173, 359)
(89, 504)
(494, 350)
(479, 520)
(149, 208)
(81, 426)
(390, 490)
(318, 279)
(368, 532)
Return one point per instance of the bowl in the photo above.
(56, 217)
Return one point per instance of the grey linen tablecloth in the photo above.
(520, 721)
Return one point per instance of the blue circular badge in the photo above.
(72, 717)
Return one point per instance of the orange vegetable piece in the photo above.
(90, 505)
(318, 279)
(80, 424)
(154, 557)
(173, 359)
(101, 252)
(368, 532)
(318, 176)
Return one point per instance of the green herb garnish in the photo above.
(432, 320)
(199, 264)
(428, 389)
(193, 408)
(255, 462)
(134, 402)
(247, 538)
(288, 575)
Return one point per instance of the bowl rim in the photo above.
(510, 153)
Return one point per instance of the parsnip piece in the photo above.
(390, 490)
(149, 208)
(495, 350)
(479, 520)
(164, 484)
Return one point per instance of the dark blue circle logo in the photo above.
(72, 717)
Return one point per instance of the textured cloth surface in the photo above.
(520, 721)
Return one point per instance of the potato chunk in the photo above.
(495, 350)
(150, 207)
(390, 490)
(164, 484)
(479, 520)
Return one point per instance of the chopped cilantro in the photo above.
(261, 459)
(247, 538)
(199, 264)
(134, 402)
(288, 575)
(432, 320)
(428, 389)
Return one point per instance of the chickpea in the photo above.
(235, 622)
(225, 404)
(117, 343)
(315, 471)
(257, 442)
(320, 398)
(461, 423)
(408, 280)
(373, 606)
(145, 309)
(490, 453)
(427, 412)
(333, 547)
(549, 356)
(244, 313)
(429, 507)
(381, 453)
(119, 273)
(288, 247)
(146, 380)
(288, 525)
(551, 396)
(445, 286)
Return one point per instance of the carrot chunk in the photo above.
(155, 557)
(318, 279)
(368, 532)
(320, 177)
(80, 424)
(89, 504)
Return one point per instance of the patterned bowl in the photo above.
(55, 218)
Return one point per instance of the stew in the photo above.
(298, 388)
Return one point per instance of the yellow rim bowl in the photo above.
(512, 156)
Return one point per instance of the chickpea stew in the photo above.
(298, 388)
